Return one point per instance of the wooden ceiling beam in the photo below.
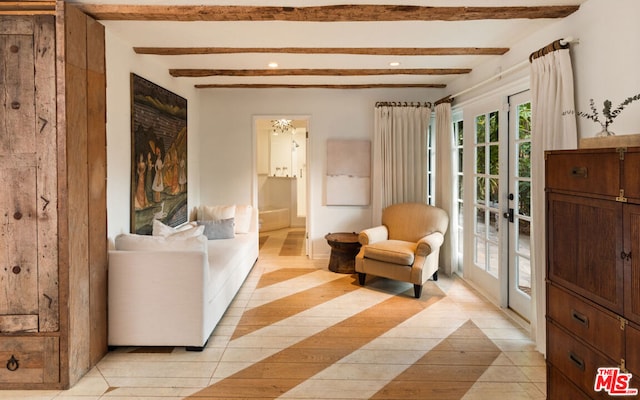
(28, 7)
(321, 86)
(200, 73)
(383, 51)
(331, 13)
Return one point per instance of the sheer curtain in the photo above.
(400, 156)
(444, 181)
(551, 95)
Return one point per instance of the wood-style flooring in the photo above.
(298, 331)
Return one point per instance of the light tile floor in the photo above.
(423, 346)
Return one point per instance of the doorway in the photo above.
(282, 174)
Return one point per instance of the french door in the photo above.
(519, 204)
(497, 201)
(483, 206)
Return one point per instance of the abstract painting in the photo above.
(348, 180)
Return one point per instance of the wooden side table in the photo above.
(344, 248)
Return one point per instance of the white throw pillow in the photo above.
(209, 213)
(134, 242)
(187, 233)
(243, 218)
(160, 229)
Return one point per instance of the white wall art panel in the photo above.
(348, 172)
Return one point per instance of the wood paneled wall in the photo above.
(83, 232)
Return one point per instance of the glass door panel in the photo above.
(484, 187)
(520, 204)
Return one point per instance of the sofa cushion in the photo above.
(187, 233)
(227, 257)
(219, 229)
(134, 242)
(392, 251)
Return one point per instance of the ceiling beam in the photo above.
(383, 51)
(331, 13)
(27, 7)
(199, 73)
(321, 86)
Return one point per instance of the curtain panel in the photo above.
(551, 95)
(444, 192)
(400, 158)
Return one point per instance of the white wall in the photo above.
(605, 61)
(221, 140)
(121, 61)
(228, 156)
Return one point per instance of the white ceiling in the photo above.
(278, 34)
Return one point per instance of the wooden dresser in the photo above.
(593, 268)
(53, 240)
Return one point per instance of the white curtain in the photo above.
(444, 180)
(400, 156)
(551, 95)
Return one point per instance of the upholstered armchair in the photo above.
(405, 247)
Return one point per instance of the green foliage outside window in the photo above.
(524, 156)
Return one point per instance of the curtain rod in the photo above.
(402, 104)
(562, 42)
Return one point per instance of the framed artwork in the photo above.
(158, 156)
(348, 181)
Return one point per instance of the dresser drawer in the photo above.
(596, 172)
(578, 362)
(561, 388)
(632, 336)
(631, 177)
(597, 327)
(29, 360)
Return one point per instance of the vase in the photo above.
(605, 132)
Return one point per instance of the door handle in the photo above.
(509, 215)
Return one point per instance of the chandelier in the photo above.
(282, 126)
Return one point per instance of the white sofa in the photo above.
(172, 292)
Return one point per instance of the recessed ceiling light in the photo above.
(273, 65)
(394, 64)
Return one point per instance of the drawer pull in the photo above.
(579, 172)
(577, 361)
(12, 364)
(579, 318)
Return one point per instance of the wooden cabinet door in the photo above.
(631, 255)
(28, 216)
(584, 246)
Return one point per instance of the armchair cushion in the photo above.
(392, 251)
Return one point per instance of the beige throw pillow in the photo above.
(209, 213)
